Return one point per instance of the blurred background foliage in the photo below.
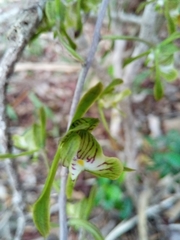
(39, 102)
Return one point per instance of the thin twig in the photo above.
(76, 98)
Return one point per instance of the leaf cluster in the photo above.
(164, 152)
(159, 57)
(66, 19)
(111, 196)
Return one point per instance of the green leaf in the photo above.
(112, 100)
(103, 119)
(173, 159)
(158, 87)
(138, 81)
(169, 73)
(87, 100)
(37, 135)
(126, 208)
(142, 5)
(70, 49)
(120, 96)
(158, 90)
(26, 141)
(111, 86)
(42, 114)
(50, 11)
(168, 49)
(89, 227)
(11, 112)
(129, 60)
(170, 22)
(171, 38)
(79, 21)
(11, 155)
(128, 38)
(38, 104)
(41, 208)
(62, 11)
(89, 203)
(83, 208)
(57, 6)
(70, 41)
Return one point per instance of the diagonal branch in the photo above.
(76, 98)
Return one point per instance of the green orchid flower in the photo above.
(87, 154)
